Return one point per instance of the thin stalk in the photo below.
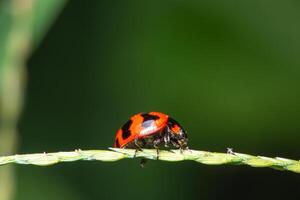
(115, 154)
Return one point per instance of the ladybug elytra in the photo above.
(151, 130)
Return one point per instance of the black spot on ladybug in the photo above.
(117, 143)
(125, 130)
(147, 117)
(173, 122)
(126, 134)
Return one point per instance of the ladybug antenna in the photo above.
(143, 162)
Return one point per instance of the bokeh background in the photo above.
(228, 71)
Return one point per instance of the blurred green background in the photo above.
(228, 71)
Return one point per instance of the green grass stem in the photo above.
(114, 154)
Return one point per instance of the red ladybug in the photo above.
(151, 130)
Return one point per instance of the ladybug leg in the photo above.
(143, 162)
(136, 144)
(230, 151)
(137, 147)
(156, 142)
(181, 150)
(185, 148)
(167, 140)
(135, 152)
(157, 154)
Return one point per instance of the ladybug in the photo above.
(151, 130)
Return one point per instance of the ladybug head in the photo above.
(177, 134)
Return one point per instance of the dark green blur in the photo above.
(228, 71)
